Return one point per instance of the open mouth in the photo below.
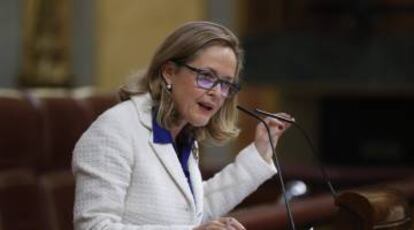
(205, 106)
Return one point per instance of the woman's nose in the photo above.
(216, 90)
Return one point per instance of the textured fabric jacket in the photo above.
(125, 181)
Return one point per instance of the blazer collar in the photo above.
(144, 104)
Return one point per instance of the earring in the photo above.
(169, 87)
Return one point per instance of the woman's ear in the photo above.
(168, 71)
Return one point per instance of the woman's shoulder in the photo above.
(129, 111)
(121, 111)
(114, 123)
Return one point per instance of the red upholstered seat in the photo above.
(96, 101)
(20, 208)
(58, 191)
(21, 132)
(65, 119)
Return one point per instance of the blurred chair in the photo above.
(97, 101)
(38, 131)
(20, 208)
(57, 191)
(65, 120)
(21, 132)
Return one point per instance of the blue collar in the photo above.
(161, 135)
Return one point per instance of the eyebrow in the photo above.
(227, 78)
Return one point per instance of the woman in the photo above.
(136, 167)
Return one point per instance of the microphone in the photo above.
(295, 189)
(291, 121)
(312, 147)
(276, 161)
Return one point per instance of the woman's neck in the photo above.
(175, 130)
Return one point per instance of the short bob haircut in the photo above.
(181, 46)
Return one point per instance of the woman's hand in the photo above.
(222, 223)
(277, 128)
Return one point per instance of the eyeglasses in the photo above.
(208, 80)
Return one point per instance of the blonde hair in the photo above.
(181, 46)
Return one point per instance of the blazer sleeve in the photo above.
(102, 165)
(235, 182)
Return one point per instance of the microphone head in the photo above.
(280, 117)
(297, 187)
(294, 189)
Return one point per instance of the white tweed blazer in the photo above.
(125, 181)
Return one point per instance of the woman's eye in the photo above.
(226, 85)
(207, 76)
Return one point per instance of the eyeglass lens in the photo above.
(207, 80)
(211, 82)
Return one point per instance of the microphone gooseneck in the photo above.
(313, 148)
(276, 161)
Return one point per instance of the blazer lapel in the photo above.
(165, 152)
(196, 181)
(167, 156)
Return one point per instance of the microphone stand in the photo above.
(313, 148)
(276, 161)
(351, 202)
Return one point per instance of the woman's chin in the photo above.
(200, 122)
